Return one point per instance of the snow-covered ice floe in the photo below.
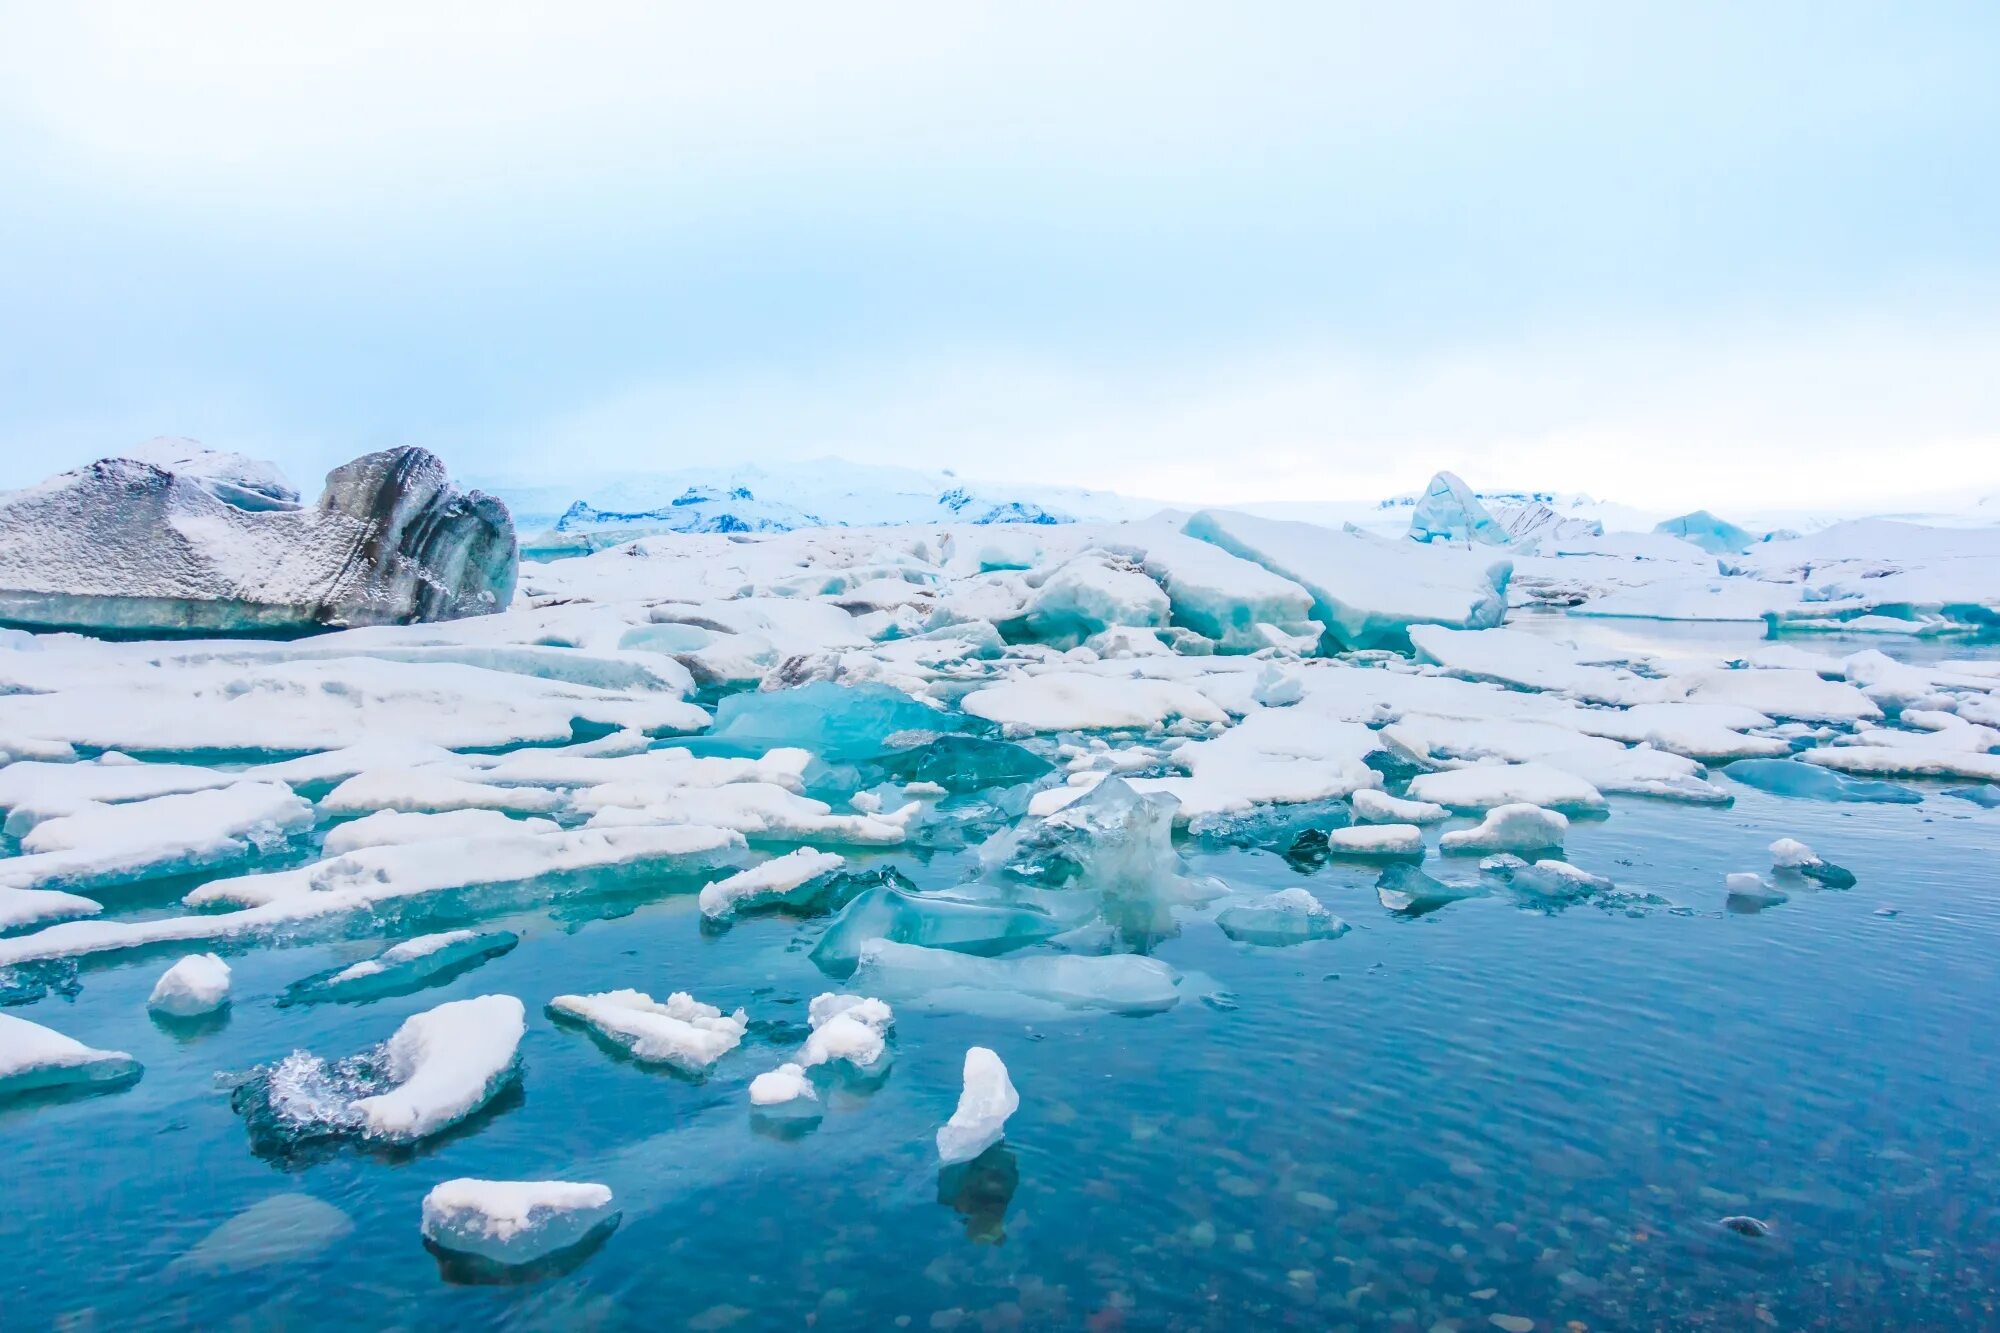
(198, 984)
(407, 966)
(438, 1068)
(682, 1032)
(38, 1059)
(511, 1223)
(1289, 916)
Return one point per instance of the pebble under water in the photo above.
(1489, 1116)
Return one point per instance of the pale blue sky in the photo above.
(1664, 253)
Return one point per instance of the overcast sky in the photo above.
(1673, 254)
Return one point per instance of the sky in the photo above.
(1671, 254)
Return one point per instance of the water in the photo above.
(1488, 1110)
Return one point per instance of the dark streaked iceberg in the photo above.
(184, 541)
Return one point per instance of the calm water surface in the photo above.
(1489, 1111)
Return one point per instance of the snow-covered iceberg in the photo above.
(38, 1059)
(511, 1223)
(187, 542)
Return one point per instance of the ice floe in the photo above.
(515, 1222)
(985, 1104)
(38, 1059)
(683, 1032)
(198, 984)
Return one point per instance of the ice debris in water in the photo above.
(1410, 891)
(955, 763)
(1793, 855)
(1789, 777)
(1117, 983)
(1987, 795)
(1378, 807)
(404, 967)
(839, 723)
(936, 920)
(1751, 889)
(38, 1059)
(1118, 843)
(796, 880)
(1289, 916)
(1377, 841)
(1510, 828)
(438, 1068)
(683, 1032)
(984, 1105)
(1448, 511)
(514, 1222)
(1548, 880)
(784, 1092)
(198, 984)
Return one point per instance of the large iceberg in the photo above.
(1448, 511)
(185, 541)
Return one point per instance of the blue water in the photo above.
(1487, 1111)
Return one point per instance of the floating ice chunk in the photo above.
(1410, 891)
(984, 1105)
(1751, 889)
(36, 1059)
(395, 828)
(1484, 786)
(840, 723)
(1509, 828)
(938, 921)
(112, 844)
(281, 1229)
(1119, 983)
(1376, 840)
(38, 907)
(1802, 695)
(1239, 605)
(329, 767)
(1906, 761)
(965, 763)
(1793, 855)
(850, 1028)
(1076, 701)
(785, 1092)
(754, 809)
(514, 1222)
(1788, 777)
(1448, 511)
(198, 984)
(1367, 592)
(684, 1033)
(788, 880)
(1377, 807)
(32, 792)
(431, 791)
(1603, 763)
(446, 1063)
(1712, 534)
(401, 968)
(1272, 757)
(1289, 916)
(1987, 796)
(1549, 880)
(1529, 661)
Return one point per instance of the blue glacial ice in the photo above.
(1448, 511)
(1788, 777)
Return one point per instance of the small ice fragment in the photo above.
(853, 1028)
(785, 1086)
(1290, 916)
(983, 1107)
(1551, 880)
(1750, 888)
(791, 880)
(1410, 891)
(514, 1222)
(1746, 1226)
(1510, 828)
(281, 1229)
(684, 1033)
(401, 968)
(1378, 807)
(1793, 855)
(34, 1058)
(198, 984)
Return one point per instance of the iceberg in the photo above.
(1548, 880)
(412, 965)
(1987, 795)
(1238, 605)
(784, 1096)
(38, 1059)
(1378, 807)
(1448, 511)
(511, 1223)
(1748, 889)
(1366, 592)
(934, 920)
(197, 985)
(682, 1033)
(1376, 841)
(1289, 916)
(1089, 594)
(444, 1063)
(1712, 534)
(1789, 854)
(955, 763)
(797, 881)
(1484, 786)
(103, 845)
(849, 1028)
(183, 545)
(984, 1105)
